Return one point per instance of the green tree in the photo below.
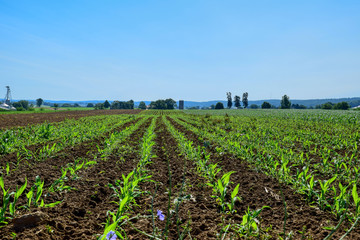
(122, 105)
(265, 105)
(89, 105)
(130, 104)
(39, 102)
(158, 104)
(297, 106)
(342, 106)
(21, 105)
(106, 104)
(170, 103)
(245, 99)
(229, 100)
(219, 105)
(99, 106)
(142, 105)
(327, 106)
(254, 106)
(237, 101)
(285, 102)
(56, 106)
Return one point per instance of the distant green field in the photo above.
(345, 116)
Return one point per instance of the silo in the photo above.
(181, 104)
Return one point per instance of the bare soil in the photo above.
(17, 120)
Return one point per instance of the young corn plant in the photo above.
(5, 202)
(35, 193)
(249, 225)
(9, 200)
(234, 198)
(323, 196)
(219, 188)
(74, 168)
(59, 184)
(340, 204)
(356, 201)
(17, 194)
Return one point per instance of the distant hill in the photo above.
(353, 102)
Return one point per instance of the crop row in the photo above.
(71, 131)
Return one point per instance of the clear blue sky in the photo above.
(186, 49)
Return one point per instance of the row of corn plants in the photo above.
(207, 169)
(127, 189)
(114, 140)
(70, 137)
(13, 140)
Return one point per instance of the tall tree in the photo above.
(237, 101)
(229, 100)
(106, 104)
(142, 105)
(245, 99)
(285, 102)
(170, 103)
(39, 102)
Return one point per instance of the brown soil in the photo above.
(257, 190)
(16, 120)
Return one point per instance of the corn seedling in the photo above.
(249, 225)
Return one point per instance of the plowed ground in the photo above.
(17, 120)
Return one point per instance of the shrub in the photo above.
(265, 105)
(219, 105)
(342, 106)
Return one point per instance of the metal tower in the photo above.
(7, 99)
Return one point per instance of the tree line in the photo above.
(158, 104)
(169, 103)
(285, 103)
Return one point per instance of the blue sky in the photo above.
(188, 49)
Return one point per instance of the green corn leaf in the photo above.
(21, 190)
(52, 204)
(7, 168)
(235, 191)
(355, 195)
(2, 185)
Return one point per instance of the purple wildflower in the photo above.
(111, 235)
(160, 215)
